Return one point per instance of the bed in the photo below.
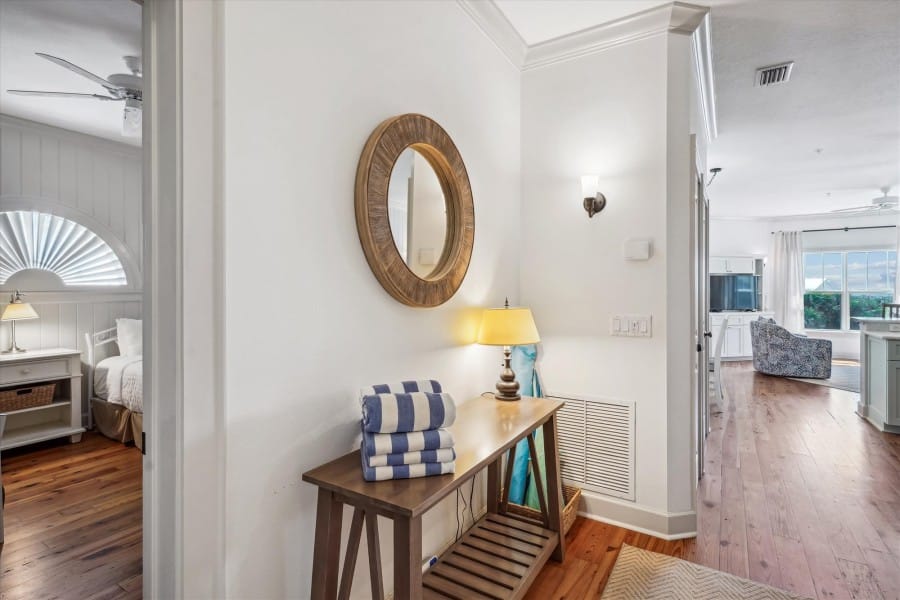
(115, 385)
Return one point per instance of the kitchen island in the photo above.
(879, 357)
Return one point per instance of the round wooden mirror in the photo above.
(414, 210)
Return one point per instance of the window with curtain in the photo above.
(843, 285)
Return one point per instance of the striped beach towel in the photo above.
(404, 387)
(398, 443)
(412, 458)
(405, 412)
(406, 471)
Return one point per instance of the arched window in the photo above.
(32, 240)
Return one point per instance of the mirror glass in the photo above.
(417, 212)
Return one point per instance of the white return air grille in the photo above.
(596, 445)
(773, 75)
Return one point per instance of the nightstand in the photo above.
(62, 417)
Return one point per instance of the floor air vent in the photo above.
(774, 75)
(596, 445)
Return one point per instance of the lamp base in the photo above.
(507, 387)
(13, 347)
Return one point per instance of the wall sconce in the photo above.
(594, 201)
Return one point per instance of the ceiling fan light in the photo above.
(132, 119)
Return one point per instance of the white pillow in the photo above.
(129, 337)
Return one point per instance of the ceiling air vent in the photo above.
(774, 74)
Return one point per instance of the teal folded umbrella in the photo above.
(523, 361)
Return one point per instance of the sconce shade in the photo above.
(590, 185)
(507, 327)
(18, 311)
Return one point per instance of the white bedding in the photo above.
(119, 380)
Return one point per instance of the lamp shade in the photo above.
(18, 311)
(590, 184)
(507, 327)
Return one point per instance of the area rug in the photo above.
(843, 377)
(642, 575)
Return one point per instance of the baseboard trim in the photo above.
(667, 526)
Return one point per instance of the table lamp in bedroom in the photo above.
(16, 310)
(507, 327)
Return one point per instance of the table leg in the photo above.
(493, 486)
(408, 558)
(554, 485)
(539, 483)
(327, 549)
(374, 556)
(507, 479)
(351, 553)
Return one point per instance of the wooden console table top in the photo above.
(484, 429)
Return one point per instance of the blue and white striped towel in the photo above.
(412, 458)
(394, 443)
(406, 471)
(404, 387)
(402, 413)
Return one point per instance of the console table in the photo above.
(499, 557)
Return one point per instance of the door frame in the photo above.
(699, 312)
(183, 302)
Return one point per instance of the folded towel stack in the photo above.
(403, 431)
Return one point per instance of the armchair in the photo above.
(776, 351)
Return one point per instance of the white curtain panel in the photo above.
(787, 279)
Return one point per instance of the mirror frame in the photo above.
(373, 175)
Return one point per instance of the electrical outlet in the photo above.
(631, 325)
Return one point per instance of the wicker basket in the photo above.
(571, 498)
(26, 397)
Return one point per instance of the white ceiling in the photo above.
(843, 98)
(93, 34)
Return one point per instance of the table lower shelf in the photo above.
(497, 558)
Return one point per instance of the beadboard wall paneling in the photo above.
(92, 181)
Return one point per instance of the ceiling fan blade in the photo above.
(83, 72)
(854, 209)
(59, 94)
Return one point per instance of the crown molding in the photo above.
(491, 20)
(702, 50)
(676, 17)
(804, 217)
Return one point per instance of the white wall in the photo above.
(94, 182)
(593, 115)
(307, 323)
(742, 237)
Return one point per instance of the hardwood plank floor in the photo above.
(73, 521)
(799, 493)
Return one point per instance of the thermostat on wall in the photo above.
(637, 249)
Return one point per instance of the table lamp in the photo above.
(16, 310)
(507, 327)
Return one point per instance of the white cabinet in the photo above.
(732, 264)
(737, 343)
(60, 418)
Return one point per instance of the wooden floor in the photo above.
(73, 521)
(799, 493)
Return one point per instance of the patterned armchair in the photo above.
(776, 351)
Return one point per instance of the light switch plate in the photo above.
(631, 325)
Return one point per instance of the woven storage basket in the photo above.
(571, 498)
(26, 397)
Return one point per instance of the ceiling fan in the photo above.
(883, 202)
(120, 87)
